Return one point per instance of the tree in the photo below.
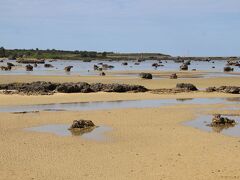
(2, 52)
(104, 54)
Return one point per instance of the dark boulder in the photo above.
(124, 63)
(102, 74)
(228, 69)
(68, 68)
(29, 67)
(186, 86)
(146, 75)
(48, 66)
(10, 64)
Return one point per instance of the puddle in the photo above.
(104, 105)
(95, 134)
(202, 122)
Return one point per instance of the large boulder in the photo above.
(186, 86)
(68, 68)
(228, 69)
(29, 67)
(145, 75)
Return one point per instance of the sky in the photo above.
(174, 27)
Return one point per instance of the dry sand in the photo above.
(148, 143)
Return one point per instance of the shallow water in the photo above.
(96, 134)
(86, 68)
(103, 105)
(202, 121)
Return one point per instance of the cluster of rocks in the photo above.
(8, 67)
(233, 63)
(42, 87)
(218, 120)
(225, 89)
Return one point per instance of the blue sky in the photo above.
(176, 27)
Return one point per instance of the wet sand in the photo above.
(145, 143)
(150, 143)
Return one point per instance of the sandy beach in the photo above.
(143, 143)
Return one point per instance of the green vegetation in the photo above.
(73, 55)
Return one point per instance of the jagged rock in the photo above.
(117, 88)
(173, 76)
(211, 89)
(81, 124)
(218, 120)
(227, 69)
(41, 87)
(146, 75)
(124, 63)
(229, 89)
(74, 88)
(29, 67)
(225, 89)
(186, 86)
(68, 68)
(184, 67)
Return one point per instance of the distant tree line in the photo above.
(50, 54)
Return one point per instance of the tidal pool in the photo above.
(97, 133)
(202, 123)
(103, 105)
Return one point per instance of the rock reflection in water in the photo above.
(96, 133)
(79, 132)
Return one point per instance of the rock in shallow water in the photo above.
(218, 120)
(81, 124)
